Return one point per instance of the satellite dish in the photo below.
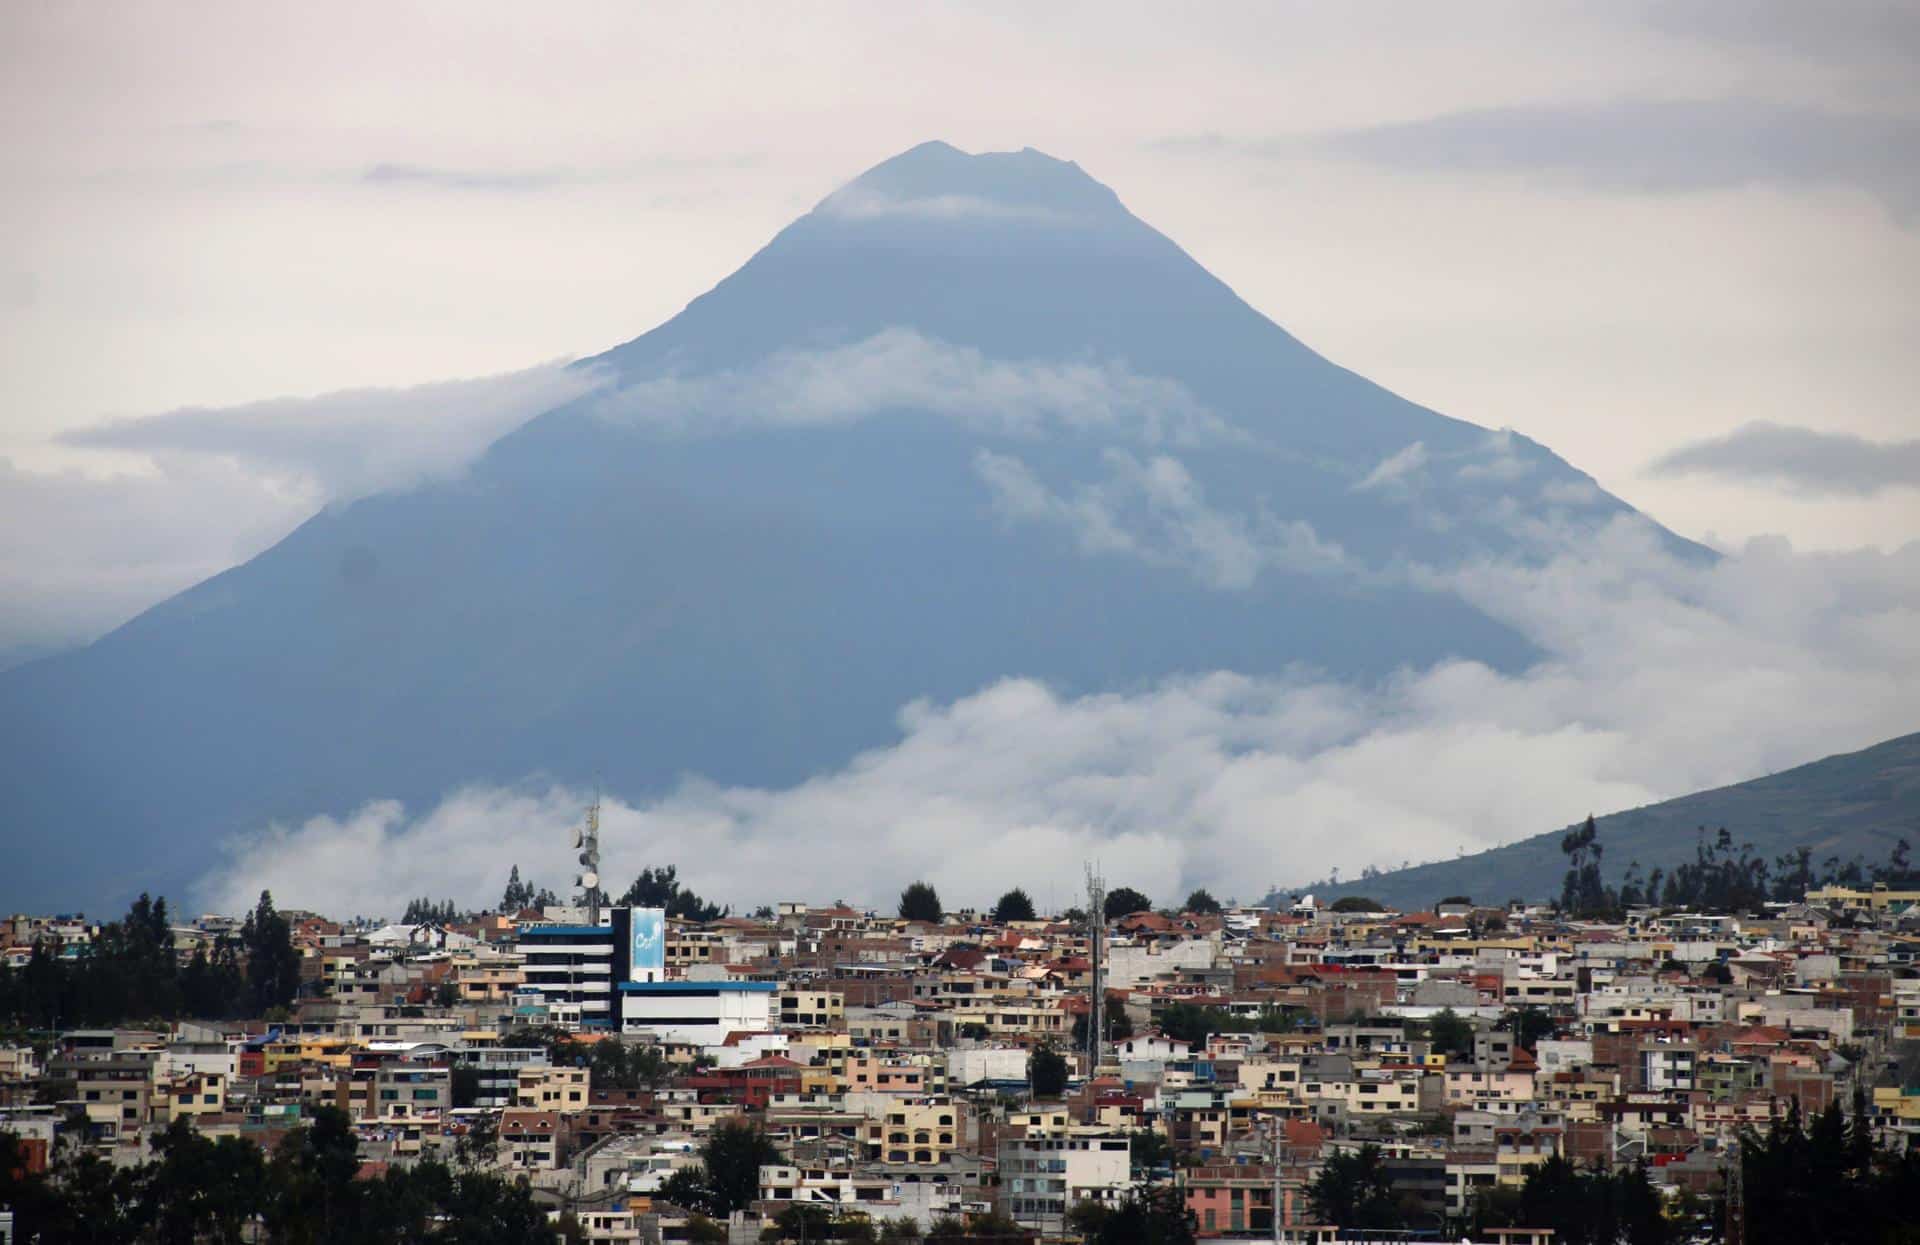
(589, 858)
(579, 836)
(590, 879)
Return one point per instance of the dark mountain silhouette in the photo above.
(968, 418)
(1856, 804)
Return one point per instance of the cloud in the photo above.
(354, 442)
(1821, 464)
(82, 553)
(858, 202)
(898, 369)
(1395, 468)
(1661, 146)
(1633, 145)
(1855, 34)
(1496, 459)
(1154, 509)
(1228, 781)
(433, 177)
(516, 179)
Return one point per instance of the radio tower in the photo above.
(1736, 1186)
(588, 841)
(1096, 941)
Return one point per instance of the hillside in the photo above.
(1854, 804)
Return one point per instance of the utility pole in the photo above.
(1736, 1186)
(1097, 931)
(1276, 1179)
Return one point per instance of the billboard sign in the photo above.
(648, 959)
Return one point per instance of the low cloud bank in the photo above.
(82, 552)
(1661, 678)
(1802, 460)
(354, 442)
(898, 369)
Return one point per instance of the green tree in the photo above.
(660, 888)
(1529, 1025)
(1125, 901)
(1015, 905)
(273, 966)
(1450, 1033)
(1148, 1149)
(1357, 903)
(1047, 1072)
(1190, 1022)
(1201, 903)
(728, 1176)
(517, 895)
(920, 902)
(1353, 1191)
(1155, 1215)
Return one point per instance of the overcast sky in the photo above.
(1677, 243)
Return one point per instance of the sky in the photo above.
(1665, 240)
(1677, 243)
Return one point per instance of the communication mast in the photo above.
(1735, 1232)
(588, 841)
(1096, 942)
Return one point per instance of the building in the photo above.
(583, 966)
(1043, 1177)
(696, 1013)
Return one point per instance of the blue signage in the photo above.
(648, 960)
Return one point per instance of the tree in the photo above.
(1125, 901)
(920, 902)
(196, 1189)
(1047, 1072)
(1354, 1191)
(1119, 1025)
(1155, 1215)
(1015, 905)
(1357, 903)
(1450, 1033)
(517, 895)
(273, 966)
(1190, 1022)
(1201, 903)
(948, 1230)
(660, 888)
(728, 1176)
(1148, 1150)
(424, 911)
(1529, 1025)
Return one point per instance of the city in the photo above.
(660, 1071)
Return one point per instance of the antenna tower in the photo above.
(1736, 1187)
(588, 841)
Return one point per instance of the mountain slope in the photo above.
(966, 419)
(1855, 804)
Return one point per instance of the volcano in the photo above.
(968, 418)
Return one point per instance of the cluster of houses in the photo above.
(889, 1061)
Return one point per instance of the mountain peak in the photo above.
(937, 181)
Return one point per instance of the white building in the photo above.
(701, 1013)
(1044, 1177)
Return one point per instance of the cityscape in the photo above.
(960, 624)
(647, 1067)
